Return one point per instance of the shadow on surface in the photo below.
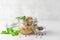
(51, 33)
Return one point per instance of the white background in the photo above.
(47, 12)
(42, 9)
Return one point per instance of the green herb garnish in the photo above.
(21, 17)
(15, 33)
(11, 31)
(4, 32)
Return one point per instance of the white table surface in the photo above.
(52, 30)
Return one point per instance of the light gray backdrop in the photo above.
(42, 9)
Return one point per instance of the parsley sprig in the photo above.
(11, 31)
(21, 17)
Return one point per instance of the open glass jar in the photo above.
(28, 25)
(41, 30)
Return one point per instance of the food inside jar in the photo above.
(26, 30)
(40, 28)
